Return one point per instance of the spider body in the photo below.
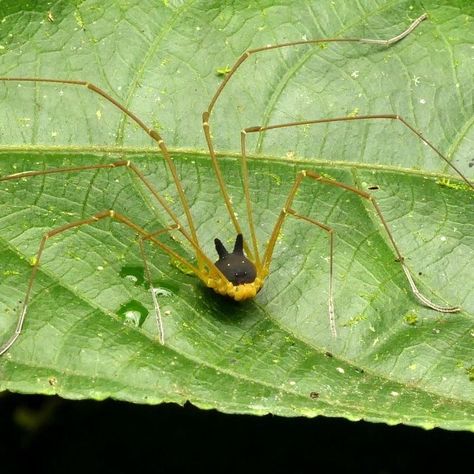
(238, 274)
(241, 277)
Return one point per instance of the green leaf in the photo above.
(90, 330)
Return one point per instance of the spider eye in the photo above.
(240, 274)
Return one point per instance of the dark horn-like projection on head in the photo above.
(239, 245)
(235, 266)
(221, 250)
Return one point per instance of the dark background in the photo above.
(49, 434)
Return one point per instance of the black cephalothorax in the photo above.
(235, 266)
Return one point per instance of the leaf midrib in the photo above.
(186, 154)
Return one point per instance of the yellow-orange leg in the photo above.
(320, 179)
(206, 116)
(205, 271)
(394, 117)
(156, 305)
(153, 134)
(264, 265)
(203, 261)
(209, 273)
(330, 231)
(259, 129)
(145, 235)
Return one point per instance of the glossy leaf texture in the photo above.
(90, 331)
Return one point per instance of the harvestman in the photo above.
(239, 274)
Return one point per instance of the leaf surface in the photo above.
(90, 330)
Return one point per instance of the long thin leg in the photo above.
(330, 231)
(153, 134)
(319, 178)
(206, 116)
(91, 220)
(156, 305)
(260, 129)
(203, 261)
(212, 273)
(264, 265)
(364, 117)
